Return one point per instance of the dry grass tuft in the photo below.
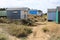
(19, 31)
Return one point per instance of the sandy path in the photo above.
(38, 34)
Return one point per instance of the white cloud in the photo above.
(36, 4)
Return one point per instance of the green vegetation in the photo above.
(2, 9)
(3, 20)
(55, 37)
(24, 38)
(19, 31)
(27, 22)
(45, 29)
(3, 36)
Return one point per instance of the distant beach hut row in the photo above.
(54, 15)
(18, 13)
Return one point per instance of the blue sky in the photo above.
(35, 4)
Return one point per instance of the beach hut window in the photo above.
(15, 12)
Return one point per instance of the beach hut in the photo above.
(35, 12)
(17, 13)
(51, 14)
(58, 15)
(3, 12)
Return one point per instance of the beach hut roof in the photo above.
(17, 8)
(51, 10)
(58, 8)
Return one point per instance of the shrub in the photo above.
(3, 37)
(24, 38)
(54, 37)
(27, 22)
(13, 21)
(16, 21)
(45, 29)
(36, 20)
(45, 19)
(35, 16)
(21, 31)
(2, 20)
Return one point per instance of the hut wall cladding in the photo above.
(33, 12)
(13, 14)
(3, 14)
(58, 15)
(24, 14)
(52, 16)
